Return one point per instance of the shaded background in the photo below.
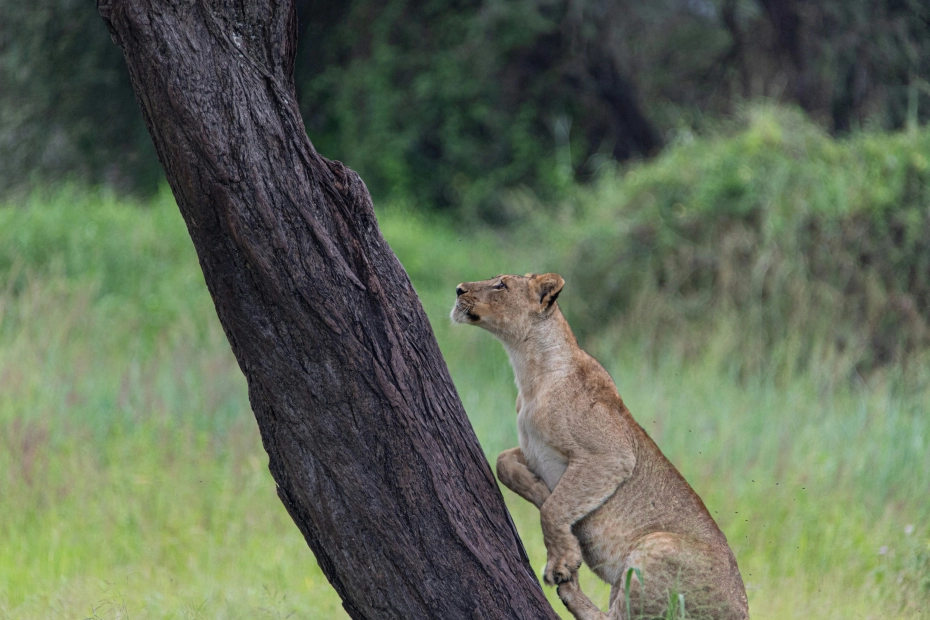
(452, 102)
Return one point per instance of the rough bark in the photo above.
(367, 440)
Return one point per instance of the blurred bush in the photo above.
(451, 102)
(774, 231)
(67, 109)
(109, 248)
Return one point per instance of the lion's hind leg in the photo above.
(671, 570)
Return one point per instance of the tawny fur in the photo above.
(605, 492)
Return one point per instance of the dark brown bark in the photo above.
(368, 443)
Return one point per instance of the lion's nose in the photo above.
(460, 290)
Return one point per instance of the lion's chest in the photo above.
(542, 459)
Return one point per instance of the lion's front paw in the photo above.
(561, 567)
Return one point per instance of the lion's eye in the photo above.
(500, 285)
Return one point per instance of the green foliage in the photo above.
(421, 104)
(774, 232)
(66, 106)
(454, 103)
(627, 584)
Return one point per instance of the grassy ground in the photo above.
(133, 483)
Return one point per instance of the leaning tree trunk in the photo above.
(367, 441)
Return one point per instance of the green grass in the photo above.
(133, 482)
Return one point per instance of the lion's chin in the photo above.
(463, 315)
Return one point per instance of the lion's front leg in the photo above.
(582, 489)
(514, 474)
(577, 602)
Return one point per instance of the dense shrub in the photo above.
(777, 229)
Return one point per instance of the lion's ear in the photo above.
(549, 286)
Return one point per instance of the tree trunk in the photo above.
(785, 17)
(368, 443)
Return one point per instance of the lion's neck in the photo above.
(545, 354)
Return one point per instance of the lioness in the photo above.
(604, 490)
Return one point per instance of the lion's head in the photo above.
(508, 306)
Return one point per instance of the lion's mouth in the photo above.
(464, 314)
